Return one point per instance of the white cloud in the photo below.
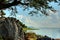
(52, 21)
(20, 16)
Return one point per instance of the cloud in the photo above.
(52, 21)
(21, 16)
(45, 22)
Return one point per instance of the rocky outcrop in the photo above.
(10, 29)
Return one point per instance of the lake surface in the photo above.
(51, 32)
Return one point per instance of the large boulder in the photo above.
(10, 29)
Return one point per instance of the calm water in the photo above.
(53, 33)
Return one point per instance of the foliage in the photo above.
(23, 25)
(25, 28)
(1, 37)
(39, 5)
(2, 13)
(31, 36)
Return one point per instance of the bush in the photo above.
(1, 37)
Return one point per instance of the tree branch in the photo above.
(4, 6)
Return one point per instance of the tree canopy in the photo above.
(39, 5)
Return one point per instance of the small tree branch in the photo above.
(4, 6)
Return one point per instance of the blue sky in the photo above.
(52, 21)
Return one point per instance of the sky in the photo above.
(41, 22)
(51, 21)
(53, 33)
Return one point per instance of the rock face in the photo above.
(10, 29)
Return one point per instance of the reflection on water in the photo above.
(53, 32)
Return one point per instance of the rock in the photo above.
(10, 29)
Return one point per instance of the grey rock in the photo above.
(10, 29)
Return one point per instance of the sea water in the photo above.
(50, 32)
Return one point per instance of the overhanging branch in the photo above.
(4, 6)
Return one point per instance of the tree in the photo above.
(39, 5)
(2, 13)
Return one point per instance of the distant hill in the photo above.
(57, 39)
